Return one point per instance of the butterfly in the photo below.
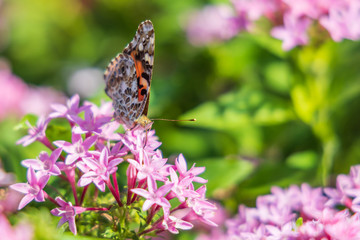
(128, 78)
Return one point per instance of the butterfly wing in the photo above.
(122, 88)
(141, 49)
(128, 76)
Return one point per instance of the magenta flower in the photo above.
(212, 24)
(181, 167)
(33, 189)
(45, 163)
(284, 232)
(174, 222)
(341, 22)
(19, 232)
(78, 149)
(293, 33)
(91, 123)
(149, 168)
(154, 195)
(35, 133)
(181, 187)
(100, 170)
(67, 212)
(70, 109)
(137, 140)
(254, 9)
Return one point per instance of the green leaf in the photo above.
(303, 160)
(223, 174)
(238, 109)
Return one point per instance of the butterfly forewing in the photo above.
(128, 76)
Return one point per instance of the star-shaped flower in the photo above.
(70, 109)
(35, 133)
(100, 170)
(154, 195)
(78, 148)
(45, 163)
(33, 189)
(67, 212)
(181, 167)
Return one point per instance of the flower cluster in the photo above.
(157, 196)
(19, 99)
(301, 213)
(291, 20)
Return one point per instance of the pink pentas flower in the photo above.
(270, 212)
(313, 201)
(341, 22)
(71, 108)
(293, 32)
(10, 103)
(100, 170)
(254, 9)
(33, 189)
(137, 140)
(181, 167)
(202, 209)
(105, 110)
(149, 167)
(154, 195)
(35, 133)
(174, 221)
(284, 232)
(181, 187)
(312, 230)
(78, 149)
(212, 24)
(343, 226)
(45, 163)
(91, 123)
(22, 231)
(39, 99)
(303, 8)
(67, 212)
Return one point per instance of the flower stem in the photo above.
(112, 190)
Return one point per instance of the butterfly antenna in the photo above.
(174, 120)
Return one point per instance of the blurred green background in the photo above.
(264, 117)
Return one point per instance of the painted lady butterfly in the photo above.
(128, 78)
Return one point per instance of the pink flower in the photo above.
(341, 226)
(36, 133)
(70, 109)
(181, 167)
(293, 33)
(33, 189)
(254, 9)
(181, 187)
(213, 23)
(154, 195)
(45, 163)
(39, 99)
(10, 103)
(149, 168)
(342, 21)
(78, 149)
(20, 232)
(174, 222)
(284, 232)
(67, 212)
(100, 171)
(91, 122)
